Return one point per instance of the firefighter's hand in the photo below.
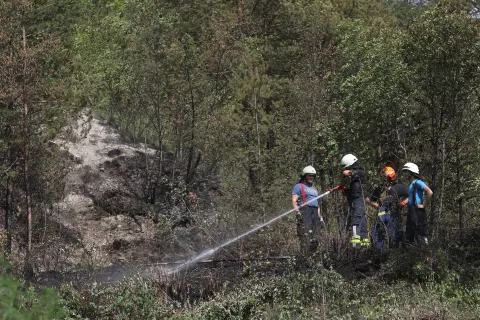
(347, 173)
(339, 187)
(322, 222)
(298, 216)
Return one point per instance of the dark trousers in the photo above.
(387, 230)
(357, 221)
(307, 228)
(417, 227)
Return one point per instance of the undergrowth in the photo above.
(415, 283)
(23, 302)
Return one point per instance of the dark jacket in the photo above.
(390, 196)
(354, 184)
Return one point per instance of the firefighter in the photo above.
(419, 196)
(352, 182)
(308, 216)
(388, 198)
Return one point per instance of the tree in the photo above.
(29, 100)
(444, 53)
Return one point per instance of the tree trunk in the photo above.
(9, 191)
(442, 191)
(28, 266)
(189, 175)
(8, 214)
(323, 187)
(158, 175)
(462, 219)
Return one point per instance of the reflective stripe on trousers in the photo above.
(357, 218)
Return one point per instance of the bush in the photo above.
(134, 299)
(18, 302)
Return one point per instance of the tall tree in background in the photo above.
(443, 51)
(373, 94)
(29, 107)
(256, 89)
(9, 94)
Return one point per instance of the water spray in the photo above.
(210, 252)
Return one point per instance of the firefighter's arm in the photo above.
(428, 196)
(320, 214)
(372, 203)
(404, 203)
(358, 174)
(346, 180)
(294, 202)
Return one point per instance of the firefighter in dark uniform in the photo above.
(388, 198)
(352, 183)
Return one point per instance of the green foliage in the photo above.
(418, 265)
(18, 302)
(321, 294)
(372, 92)
(133, 299)
(410, 283)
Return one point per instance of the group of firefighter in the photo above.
(388, 198)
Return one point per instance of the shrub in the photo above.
(23, 303)
(133, 299)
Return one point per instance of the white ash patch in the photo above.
(101, 202)
(90, 140)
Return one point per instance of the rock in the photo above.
(106, 191)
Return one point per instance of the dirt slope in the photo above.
(106, 201)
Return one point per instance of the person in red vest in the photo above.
(308, 215)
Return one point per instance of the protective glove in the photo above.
(339, 187)
(299, 217)
(322, 223)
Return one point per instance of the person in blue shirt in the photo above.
(308, 216)
(419, 196)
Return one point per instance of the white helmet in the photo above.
(412, 167)
(348, 160)
(308, 170)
